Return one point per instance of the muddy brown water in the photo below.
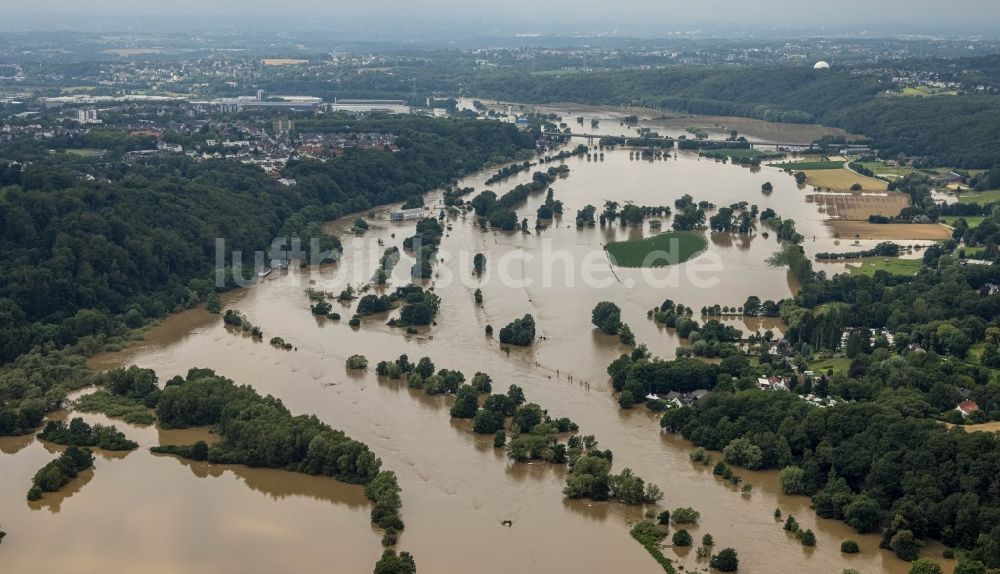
(143, 512)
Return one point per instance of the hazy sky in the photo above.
(541, 15)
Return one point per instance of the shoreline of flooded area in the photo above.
(162, 514)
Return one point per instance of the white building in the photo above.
(368, 106)
(406, 214)
(87, 116)
(772, 384)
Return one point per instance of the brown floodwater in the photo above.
(676, 124)
(144, 512)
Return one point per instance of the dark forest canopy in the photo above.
(957, 131)
(866, 463)
(87, 258)
(35, 384)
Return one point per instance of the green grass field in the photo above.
(81, 152)
(980, 196)
(882, 169)
(924, 91)
(976, 352)
(86, 152)
(556, 72)
(660, 250)
(835, 363)
(972, 220)
(972, 252)
(901, 170)
(827, 307)
(808, 165)
(869, 265)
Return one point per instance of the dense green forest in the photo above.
(35, 384)
(883, 457)
(866, 463)
(955, 131)
(91, 249)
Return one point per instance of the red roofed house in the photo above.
(967, 408)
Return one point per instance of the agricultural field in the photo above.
(993, 426)
(283, 62)
(808, 165)
(880, 168)
(924, 91)
(86, 152)
(894, 265)
(842, 179)
(858, 206)
(660, 250)
(980, 196)
(889, 231)
(127, 52)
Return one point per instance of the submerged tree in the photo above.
(607, 317)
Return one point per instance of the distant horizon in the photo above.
(640, 18)
(438, 32)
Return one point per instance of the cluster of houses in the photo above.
(322, 145)
(821, 402)
(773, 383)
(161, 149)
(37, 131)
(873, 334)
(784, 384)
(677, 400)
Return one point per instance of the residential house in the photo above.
(967, 407)
(772, 384)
